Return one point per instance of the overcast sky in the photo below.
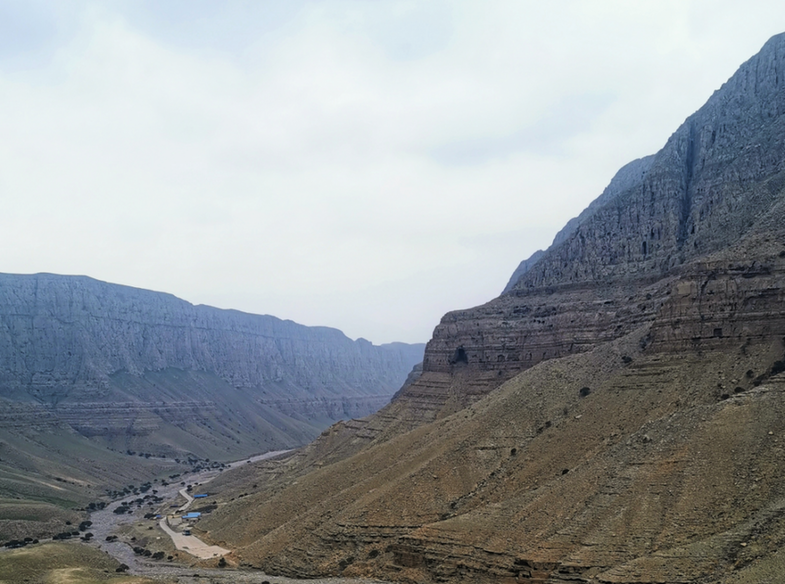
(367, 165)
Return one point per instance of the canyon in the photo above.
(104, 385)
(614, 416)
(93, 355)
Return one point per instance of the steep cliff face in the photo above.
(636, 431)
(74, 344)
(716, 176)
(524, 267)
(628, 177)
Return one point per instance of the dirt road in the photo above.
(188, 498)
(192, 544)
(106, 522)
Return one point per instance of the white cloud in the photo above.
(365, 165)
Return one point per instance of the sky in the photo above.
(366, 165)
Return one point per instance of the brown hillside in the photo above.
(636, 430)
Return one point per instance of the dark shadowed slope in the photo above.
(98, 381)
(119, 363)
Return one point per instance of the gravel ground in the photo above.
(106, 522)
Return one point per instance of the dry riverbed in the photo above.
(132, 530)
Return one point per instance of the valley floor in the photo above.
(184, 568)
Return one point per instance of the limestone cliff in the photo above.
(714, 178)
(628, 177)
(71, 344)
(522, 268)
(635, 434)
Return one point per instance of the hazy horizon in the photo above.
(366, 166)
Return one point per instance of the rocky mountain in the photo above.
(524, 267)
(629, 176)
(127, 366)
(714, 178)
(616, 416)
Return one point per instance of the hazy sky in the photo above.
(367, 165)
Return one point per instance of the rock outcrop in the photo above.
(719, 173)
(628, 177)
(524, 267)
(615, 417)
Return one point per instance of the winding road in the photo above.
(190, 543)
(106, 522)
(188, 498)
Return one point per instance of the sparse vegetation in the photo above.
(61, 562)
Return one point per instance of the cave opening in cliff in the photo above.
(459, 356)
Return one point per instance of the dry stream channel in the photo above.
(107, 523)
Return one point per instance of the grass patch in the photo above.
(30, 511)
(20, 519)
(62, 563)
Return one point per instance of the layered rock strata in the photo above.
(651, 458)
(74, 345)
(719, 173)
(636, 432)
(628, 177)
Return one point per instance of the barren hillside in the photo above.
(616, 416)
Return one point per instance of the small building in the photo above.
(192, 515)
(202, 496)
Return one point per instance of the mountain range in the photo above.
(103, 385)
(615, 416)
